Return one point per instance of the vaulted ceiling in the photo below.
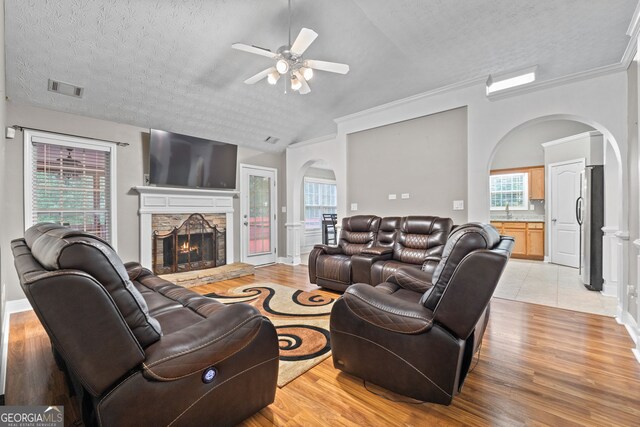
(168, 64)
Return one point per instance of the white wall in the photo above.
(3, 229)
(523, 147)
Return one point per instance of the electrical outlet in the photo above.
(284, 209)
(354, 206)
(405, 195)
(532, 207)
(392, 196)
(458, 205)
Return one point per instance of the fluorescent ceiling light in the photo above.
(500, 82)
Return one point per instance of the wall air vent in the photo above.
(271, 140)
(65, 88)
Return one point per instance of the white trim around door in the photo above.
(254, 255)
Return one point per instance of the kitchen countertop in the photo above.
(517, 220)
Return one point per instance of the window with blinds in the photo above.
(320, 197)
(71, 185)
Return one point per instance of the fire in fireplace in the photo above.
(194, 245)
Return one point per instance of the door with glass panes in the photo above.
(258, 191)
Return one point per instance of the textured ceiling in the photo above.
(169, 65)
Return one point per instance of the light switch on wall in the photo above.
(354, 206)
(392, 196)
(405, 195)
(458, 205)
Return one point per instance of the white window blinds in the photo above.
(71, 185)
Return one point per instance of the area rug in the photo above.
(301, 320)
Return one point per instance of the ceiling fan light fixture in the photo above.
(282, 66)
(307, 73)
(295, 83)
(273, 77)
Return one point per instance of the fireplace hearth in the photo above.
(195, 244)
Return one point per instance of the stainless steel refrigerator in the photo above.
(590, 216)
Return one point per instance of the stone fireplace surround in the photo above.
(170, 200)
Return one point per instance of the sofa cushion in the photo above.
(420, 237)
(56, 247)
(358, 232)
(382, 270)
(464, 240)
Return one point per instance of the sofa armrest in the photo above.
(203, 344)
(377, 250)
(387, 311)
(329, 250)
(412, 279)
(361, 266)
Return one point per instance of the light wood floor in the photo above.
(538, 366)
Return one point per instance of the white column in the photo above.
(622, 244)
(294, 230)
(610, 258)
(633, 299)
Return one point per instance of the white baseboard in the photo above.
(609, 289)
(546, 259)
(289, 260)
(11, 307)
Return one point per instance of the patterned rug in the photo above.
(301, 320)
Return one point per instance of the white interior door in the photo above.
(258, 214)
(564, 190)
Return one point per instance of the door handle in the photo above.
(246, 223)
(554, 220)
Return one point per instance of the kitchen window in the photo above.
(511, 189)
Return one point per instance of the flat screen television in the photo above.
(186, 161)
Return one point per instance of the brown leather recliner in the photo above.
(419, 244)
(417, 337)
(138, 349)
(330, 266)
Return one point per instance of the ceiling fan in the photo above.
(290, 63)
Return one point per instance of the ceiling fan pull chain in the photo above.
(289, 29)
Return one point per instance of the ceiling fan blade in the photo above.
(261, 75)
(304, 89)
(254, 49)
(332, 67)
(303, 41)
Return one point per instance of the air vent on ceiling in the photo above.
(271, 140)
(65, 88)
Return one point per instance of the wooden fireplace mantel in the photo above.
(174, 200)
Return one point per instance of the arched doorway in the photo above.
(318, 196)
(545, 145)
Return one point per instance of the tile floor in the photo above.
(552, 285)
(546, 284)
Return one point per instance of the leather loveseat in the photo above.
(330, 266)
(416, 334)
(391, 242)
(138, 349)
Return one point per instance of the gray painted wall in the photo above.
(522, 147)
(131, 165)
(399, 158)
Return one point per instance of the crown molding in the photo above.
(560, 81)
(312, 141)
(571, 138)
(412, 98)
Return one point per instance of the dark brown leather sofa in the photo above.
(330, 266)
(418, 242)
(138, 349)
(416, 333)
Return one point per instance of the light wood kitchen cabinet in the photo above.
(529, 238)
(536, 183)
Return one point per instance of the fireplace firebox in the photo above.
(194, 245)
